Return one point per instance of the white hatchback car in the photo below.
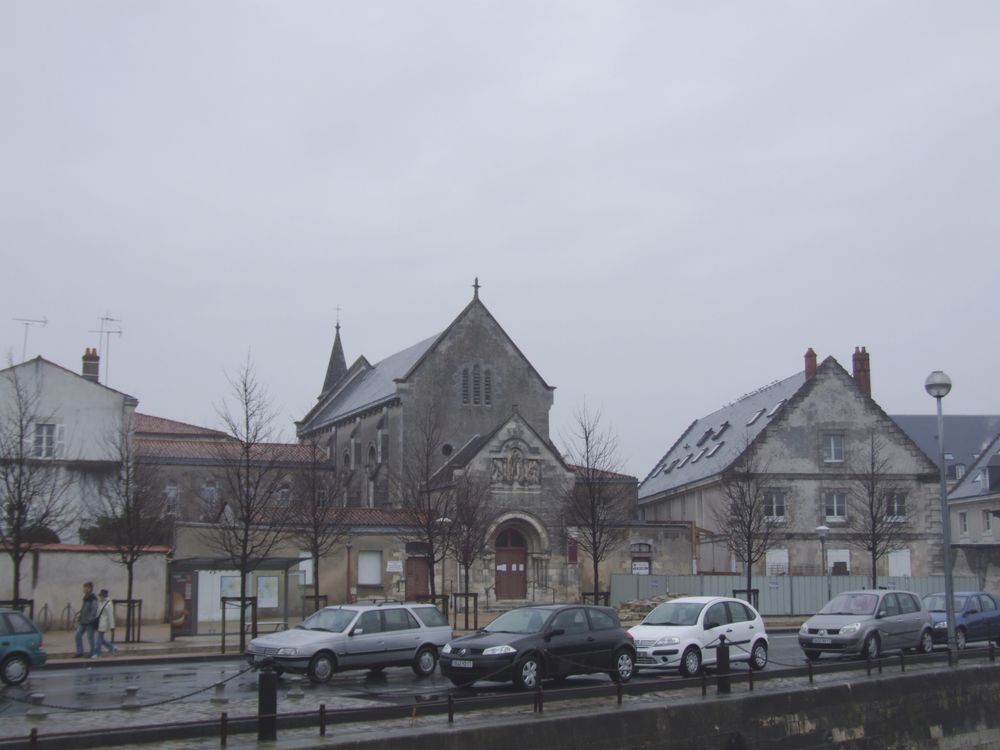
(684, 634)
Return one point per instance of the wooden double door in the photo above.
(511, 565)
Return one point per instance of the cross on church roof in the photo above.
(475, 288)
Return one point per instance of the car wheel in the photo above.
(872, 647)
(321, 667)
(624, 667)
(812, 655)
(528, 673)
(15, 669)
(425, 661)
(691, 662)
(758, 655)
(960, 641)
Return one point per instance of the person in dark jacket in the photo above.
(86, 621)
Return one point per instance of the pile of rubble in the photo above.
(631, 613)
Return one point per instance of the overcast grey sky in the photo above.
(666, 203)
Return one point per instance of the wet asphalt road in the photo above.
(98, 686)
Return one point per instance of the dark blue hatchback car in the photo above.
(20, 647)
(977, 617)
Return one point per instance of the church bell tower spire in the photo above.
(337, 368)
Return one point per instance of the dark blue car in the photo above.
(20, 647)
(977, 617)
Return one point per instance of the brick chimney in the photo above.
(810, 363)
(91, 365)
(862, 371)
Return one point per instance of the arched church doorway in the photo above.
(511, 564)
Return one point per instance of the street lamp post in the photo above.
(821, 532)
(938, 385)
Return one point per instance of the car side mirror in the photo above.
(881, 614)
(356, 631)
(973, 612)
(554, 632)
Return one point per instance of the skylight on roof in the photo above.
(714, 449)
(775, 408)
(700, 454)
(669, 467)
(756, 416)
(684, 460)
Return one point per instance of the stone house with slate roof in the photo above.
(808, 430)
(493, 407)
(974, 504)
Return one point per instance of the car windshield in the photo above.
(851, 604)
(522, 621)
(330, 620)
(675, 613)
(936, 602)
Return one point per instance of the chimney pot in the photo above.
(810, 363)
(862, 370)
(91, 365)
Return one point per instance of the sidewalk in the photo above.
(155, 643)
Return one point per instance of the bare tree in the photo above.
(743, 519)
(428, 500)
(249, 519)
(471, 521)
(32, 486)
(598, 504)
(129, 514)
(876, 521)
(319, 518)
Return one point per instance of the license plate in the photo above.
(461, 663)
(822, 640)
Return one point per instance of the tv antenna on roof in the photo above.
(27, 322)
(105, 332)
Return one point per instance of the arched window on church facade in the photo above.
(477, 385)
(465, 385)
(487, 387)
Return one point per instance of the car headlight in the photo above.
(849, 629)
(446, 649)
(288, 651)
(669, 640)
(804, 629)
(943, 625)
(505, 649)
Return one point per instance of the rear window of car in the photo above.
(908, 604)
(430, 616)
(399, 619)
(601, 620)
(738, 612)
(18, 624)
(986, 603)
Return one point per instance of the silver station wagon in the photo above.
(370, 637)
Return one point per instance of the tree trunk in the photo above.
(430, 564)
(749, 574)
(874, 569)
(597, 583)
(16, 559)
(129, 568)
(315, 562)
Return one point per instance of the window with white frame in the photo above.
(839, 561)
(774, 505)
(282, 497)
(833, 448)
(895, 506)
(48, 440)
(963, 523)
(835, 505)
(370, 568)
(988, 522)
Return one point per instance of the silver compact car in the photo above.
(866, 623)
(370, 637)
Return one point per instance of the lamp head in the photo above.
(822, 531)
(938, 385)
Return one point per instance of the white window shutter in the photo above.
(60, 446)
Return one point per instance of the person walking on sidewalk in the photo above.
(86, 621)
(105, 624)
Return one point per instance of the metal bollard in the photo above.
(723, 681)
(750, 678)
(295, 691)
(619, 693)
(322, 720)
(704, 684)
(880, 665)
(267, 704)
(37, 711)
(949, 656)
(451, 709)
(868, 664)
(219, 696)
(223, 729)
(993, 656)
(33, 739)
(539, 700)
(131, 698)
(902, 663)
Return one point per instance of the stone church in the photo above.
(492, 409)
